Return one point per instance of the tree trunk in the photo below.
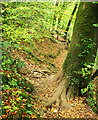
(79, 54)
(68, 25)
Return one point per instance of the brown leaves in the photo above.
(33, 116)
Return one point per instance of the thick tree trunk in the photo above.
(85, 19)
(69, 77)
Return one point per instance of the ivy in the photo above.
(85, 71)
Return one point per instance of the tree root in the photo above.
(70, 95)
(61, 95)
(56, 94)
(57, 76)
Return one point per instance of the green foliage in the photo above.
(87, 46)
(74, 82)
(17, 103)
(91, 99)
(21, 19)
(10, 63)
(15, 87)
(24, 24)
(28, 23)
(95, 2)
(95, 25)
(86, 69)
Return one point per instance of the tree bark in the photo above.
(69, 77)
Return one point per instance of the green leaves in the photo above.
(86, 68)
(13, 83)
(87, 44)
(7, 107)
(29, 105)
(95, 25)
(84, 90)
(91, 100)
(29, 112)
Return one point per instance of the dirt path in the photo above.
(45, 87)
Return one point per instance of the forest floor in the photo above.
(41, 77)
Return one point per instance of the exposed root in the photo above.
(64, 103)
(63, 92)
(61, 95)
(57, 76)
(69, 94)
(57, 93)
(58, 102)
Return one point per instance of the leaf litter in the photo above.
(45, 89)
